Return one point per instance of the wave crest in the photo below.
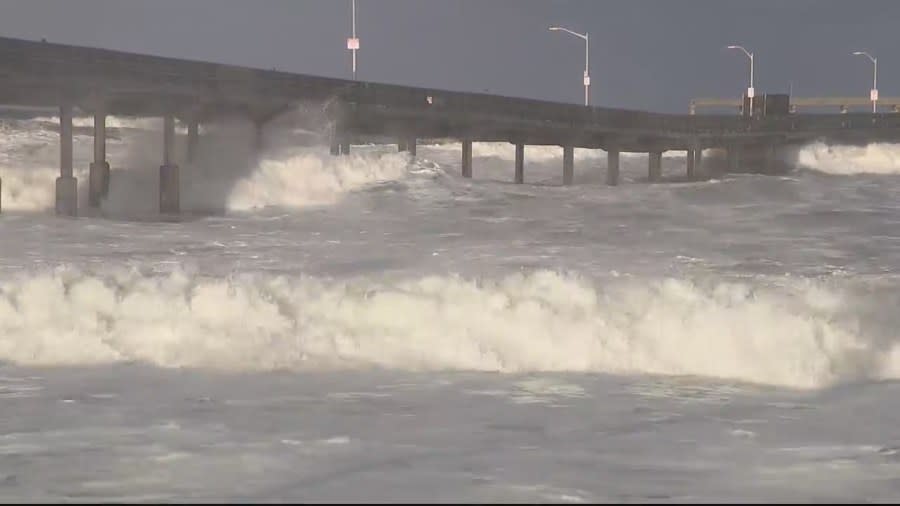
(875, 158)
(798, 336)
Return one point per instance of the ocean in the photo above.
(377, 328)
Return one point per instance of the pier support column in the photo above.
(693, 158)
(339, 147)
(66, 184)
(568, 165)
(698, 163)
(98, 179)
(770, 158)
(193, 140)
(340, 143)
(654, 169)
(259, 140)
(408, 145)
(612, 166)
(520, 163)
(733, 156)
(467, 159)
(169, 198)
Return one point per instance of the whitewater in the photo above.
(374, 327)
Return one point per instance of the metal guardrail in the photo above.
(799, 103)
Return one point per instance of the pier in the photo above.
(100, 82)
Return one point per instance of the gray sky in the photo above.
(645, 54)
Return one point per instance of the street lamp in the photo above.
(874, 93)
(750, 91)
(587, 59)
(353, 41)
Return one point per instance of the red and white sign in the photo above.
(353, 43)
(873, 95)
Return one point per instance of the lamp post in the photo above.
(873, 94)
(750, 90)
(353, 41)
(587, 60)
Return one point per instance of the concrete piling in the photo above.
(259, 139)
(698, 163)
(193, 140)
(520, 163)
(690, 158)
(66, 184)
(733, 156)
(169, 197)
(407, 144)
(568, 165)
(98, 179)
(467, 159)
(612, 167)
(654, 170)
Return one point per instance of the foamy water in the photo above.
(875, 158)
(374, 327)
(795, 336)
(226, 174)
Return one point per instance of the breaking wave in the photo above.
(875, 158)
(799, 334)
(227, 175)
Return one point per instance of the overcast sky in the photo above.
(645, 54)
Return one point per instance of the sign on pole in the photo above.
(353, 43)
(750, 92)
(873, 95)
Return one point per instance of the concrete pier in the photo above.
(66, 184)
(467, 158)
(407, 145)
(770, 153)
(568, 165)
(654, 169)
(193, 140)
(612, 167)
(520, 163)
(129, 84)
(98, 179)
(340, 143)
(691, 159)
(698, 163)
(169, 197)
(733, 158)
(259, 139)
(339, 148)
